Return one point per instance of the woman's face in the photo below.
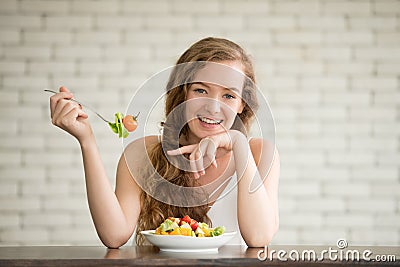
(214, 99)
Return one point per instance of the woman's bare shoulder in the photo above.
(142, 143)
(259, 146)
(135, 154)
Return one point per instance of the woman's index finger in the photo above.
(182, 150)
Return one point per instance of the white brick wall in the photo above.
(330, 70)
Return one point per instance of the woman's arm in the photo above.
(114, 214)
(257, 209)
(258, 215)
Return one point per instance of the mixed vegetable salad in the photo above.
(124, 125)
(187, 226)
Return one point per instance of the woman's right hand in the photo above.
(68, 115)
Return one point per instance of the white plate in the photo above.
(179, 243)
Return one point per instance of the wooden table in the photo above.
(226, 256)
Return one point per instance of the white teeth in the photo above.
(209, 121)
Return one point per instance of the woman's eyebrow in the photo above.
(234, 89)
(200, 83)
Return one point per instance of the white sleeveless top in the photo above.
(224, 211)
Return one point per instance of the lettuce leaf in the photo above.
(218, 231)
(118, 126)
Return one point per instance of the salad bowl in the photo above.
(179, 243)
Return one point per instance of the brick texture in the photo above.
(329, 69)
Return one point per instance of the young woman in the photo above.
(204, 143)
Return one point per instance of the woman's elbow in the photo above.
(115, 241)
(262, 240)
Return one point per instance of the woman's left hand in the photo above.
(203, 154)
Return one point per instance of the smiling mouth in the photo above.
(209, 121)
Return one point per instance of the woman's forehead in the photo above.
(228, 75)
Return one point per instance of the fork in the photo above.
(83, 105)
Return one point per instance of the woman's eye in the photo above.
(200, 91)
(228, 96)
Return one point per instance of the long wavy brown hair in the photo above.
(154, 212)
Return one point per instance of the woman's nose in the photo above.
(213, 106)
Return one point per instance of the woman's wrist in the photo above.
(87, 140)
(237, 138)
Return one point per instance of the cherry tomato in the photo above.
(186, 219)
(194, 224)
(130, 122)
